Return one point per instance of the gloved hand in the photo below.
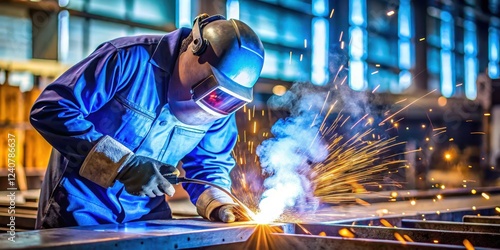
(144, 176)
(216, 205)
(228, 214)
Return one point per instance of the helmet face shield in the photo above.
(235, 55)
(215, 99)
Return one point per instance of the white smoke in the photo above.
(296, 145)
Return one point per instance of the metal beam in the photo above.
(452, 226)
(166, 234)
(482, 219)
(408, 235)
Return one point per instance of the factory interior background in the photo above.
(399, 75)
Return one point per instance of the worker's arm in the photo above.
(212, 161)
(59, 113)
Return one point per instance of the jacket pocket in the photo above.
(183, 141)
(124, 122)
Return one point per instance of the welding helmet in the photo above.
(235, 56)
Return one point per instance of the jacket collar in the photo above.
(167, 50)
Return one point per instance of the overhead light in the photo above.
(279, 90)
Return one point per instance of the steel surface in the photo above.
(417, 235)
(311, 242)
(482, 219)
(452, 226)
(167, 234)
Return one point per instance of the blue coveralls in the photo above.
(120, 90)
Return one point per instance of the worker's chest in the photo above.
(161, 136)
(137, 118)
(169, 140)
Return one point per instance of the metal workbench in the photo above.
(442, 224)
(156, 234)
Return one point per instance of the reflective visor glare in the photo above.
(222, 102)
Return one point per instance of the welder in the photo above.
(121, 119)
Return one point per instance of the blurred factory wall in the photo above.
(391, 49)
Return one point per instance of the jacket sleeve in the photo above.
(60, 111)
(212, 160)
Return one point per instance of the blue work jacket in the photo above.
(120, 90)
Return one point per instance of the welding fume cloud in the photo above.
(297, 144)
(288, 156)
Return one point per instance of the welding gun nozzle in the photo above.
(173, 179)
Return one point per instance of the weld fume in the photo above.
(296, 144)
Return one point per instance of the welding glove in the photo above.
(144, 176)
(228, 214)
(109, 160)
(215, 205)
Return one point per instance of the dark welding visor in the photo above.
(220, 99)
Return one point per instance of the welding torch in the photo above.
(174, 179)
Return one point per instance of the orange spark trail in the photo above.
(405, 107)
(362, 118)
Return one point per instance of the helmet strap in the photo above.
(200, 43)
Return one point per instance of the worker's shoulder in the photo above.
(150, 40)
(141, 40)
